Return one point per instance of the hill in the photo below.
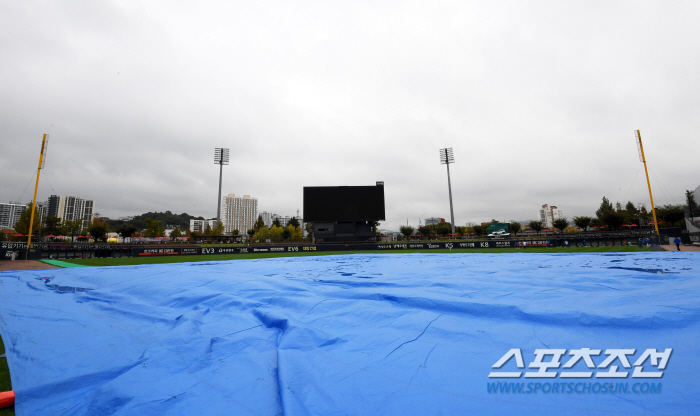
(182, 221)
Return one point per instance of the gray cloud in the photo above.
(538, 100)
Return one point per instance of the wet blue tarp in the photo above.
(390, 334)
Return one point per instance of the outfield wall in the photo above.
(42, 251)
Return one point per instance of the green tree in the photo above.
(293, 221)
(643, 213)
(251, 233)
(22, 225)
(207, 230)
(263, 234)
(296, 233)
(605, 207)
(154, 228)
(259, 224)
(127, 230)
(73, 228)
(537, 226)
(582, 222)
(182, 221)
(286, 234)
(443, 228)
(560, 224)
(52, 226)
(98, 229)
(692, 205)
(175, 233)
(478, 230)
(3, 236)
(276, 222)
(673, 215)
(613, 220)
(515, 227)
(218, 229)
(406, 230)
(425, 231)
(276, 233)
(631, 212)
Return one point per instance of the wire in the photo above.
(47, 180)
(668, 194)
(635, 178)
(25, 188)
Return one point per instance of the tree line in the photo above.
(276, 232)
(98, 228)
(152, 224)
(609, 216)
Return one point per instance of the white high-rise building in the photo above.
(547, 215)
(9, 214)
(70, 208)
(200, 225)
(268, 218)
(239, 213)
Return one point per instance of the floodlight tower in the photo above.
(221, 159)
(447, 157)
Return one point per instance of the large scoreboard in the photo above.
(344, 203)
(344, 213)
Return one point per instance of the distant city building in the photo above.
(69, 208)
(9, 214)
(434, 221)
(547, 215)
(239, 213)
(388, 235)
(284, 221)
(42, 208)
(198, 226)
(268, 218)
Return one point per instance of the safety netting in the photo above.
(389, 334)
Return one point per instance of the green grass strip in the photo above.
(5, 383)
(130, 261)
(64, 264)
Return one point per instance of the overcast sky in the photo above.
(538, 99)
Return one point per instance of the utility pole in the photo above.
(691, 203)
(447, 157)
(221, 159)
(42, 162)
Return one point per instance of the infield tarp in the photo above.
(404, 334)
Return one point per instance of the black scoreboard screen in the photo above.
(344, 203)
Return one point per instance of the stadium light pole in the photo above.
(447, 157)
(221, 159)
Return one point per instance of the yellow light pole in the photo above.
(42, 162)
(643, 159)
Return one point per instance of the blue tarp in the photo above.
(390, 334)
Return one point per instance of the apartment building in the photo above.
(239, 213)
(9, 214)
(547, 215)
